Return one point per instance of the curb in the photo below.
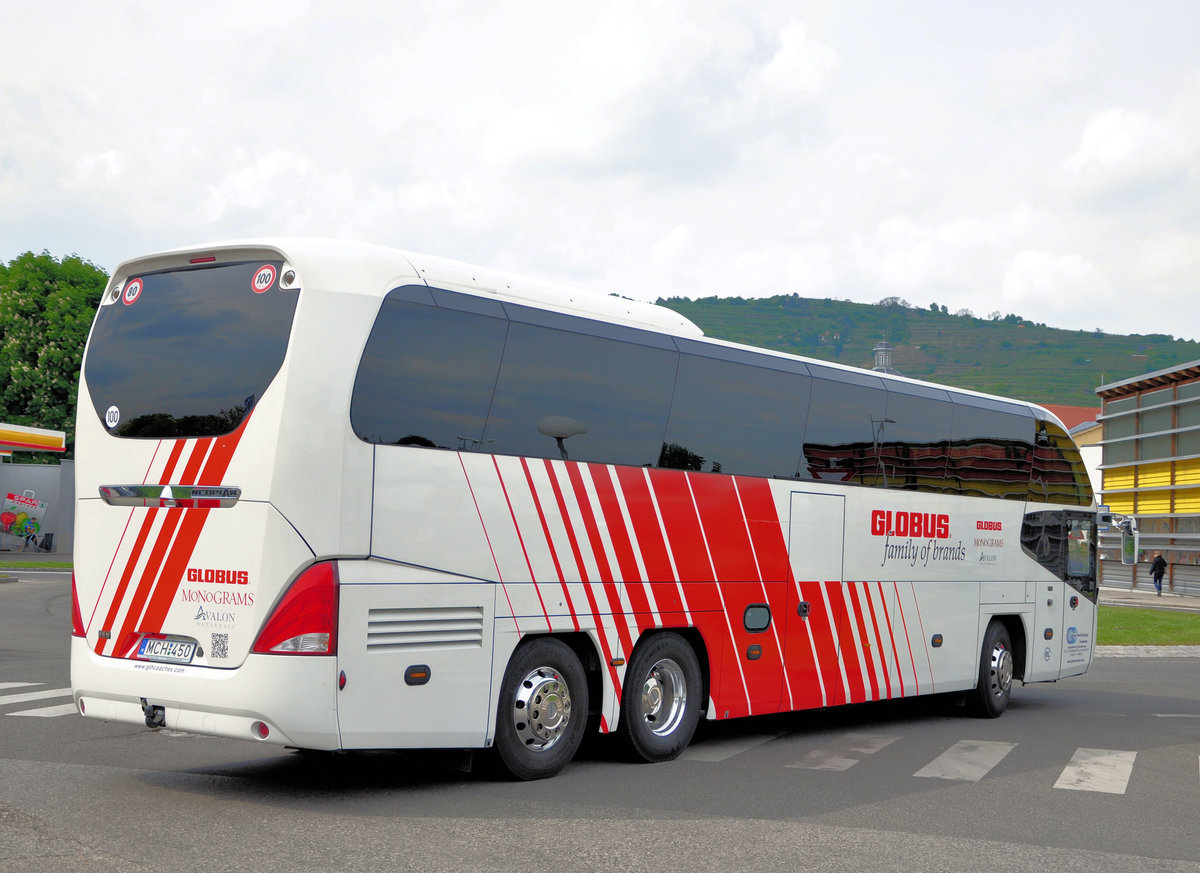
(1147, 652)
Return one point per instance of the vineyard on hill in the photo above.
(1009, 355)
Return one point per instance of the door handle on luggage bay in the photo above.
(171, 496)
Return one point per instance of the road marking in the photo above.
(716, 751)
(49, 711)
(6, 699)
(843, 754)
(966, 760)
(1176, 715)
(1104, 770)
(4, 685)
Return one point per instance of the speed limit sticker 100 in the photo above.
(264, 278)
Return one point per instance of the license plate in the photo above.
(172, 651)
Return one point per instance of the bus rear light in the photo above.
(77, 629)
(305, 620)
(260, 730)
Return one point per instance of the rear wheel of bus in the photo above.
(543, 709)
(661, 703)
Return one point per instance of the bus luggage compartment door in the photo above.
(817, 611)
(417, 661)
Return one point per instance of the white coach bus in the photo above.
(336, 496)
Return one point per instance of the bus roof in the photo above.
(335, 264)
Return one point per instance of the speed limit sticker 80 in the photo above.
(263, 279)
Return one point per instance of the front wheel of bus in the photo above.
(543, 709)
(991, 694)
(661, 703)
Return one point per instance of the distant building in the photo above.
(1151, 470)
(883, 358)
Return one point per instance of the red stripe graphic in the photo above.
(562, 580)
(728, 542)
(880, 651)
(120, 541)
(623, 547)
(892, 636)
(864, 660)
(220, 453)
(601, 636)
(483, 524)
(524, 551)
(163, 541)
(660, 573)
(606, 575)
(139, 543)
(907, 640)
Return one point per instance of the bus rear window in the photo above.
(186, 353)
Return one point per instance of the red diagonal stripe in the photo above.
(138, 544)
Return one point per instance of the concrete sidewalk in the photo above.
(1140, 597)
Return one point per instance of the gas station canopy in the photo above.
(16, 437)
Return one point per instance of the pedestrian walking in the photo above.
(1156, 572)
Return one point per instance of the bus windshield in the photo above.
(186, 352)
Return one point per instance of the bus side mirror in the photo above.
(1129, 544)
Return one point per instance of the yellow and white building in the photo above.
(1151, 469)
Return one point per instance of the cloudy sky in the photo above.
(1039, 158)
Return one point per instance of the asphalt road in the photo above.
(1101, 772)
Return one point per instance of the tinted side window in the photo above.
(841, 437)
(991, 451)
(914, 439)
(728, 417)
(427, 376)
(569, 395)
(1059, 474)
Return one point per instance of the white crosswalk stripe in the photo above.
(966, 760)
(1104, 770)
(716, 751)
(31, 696)
(49, 711)
(6, 699)
(844, 754)
(1101, 770)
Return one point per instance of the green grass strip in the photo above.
(1138, 626)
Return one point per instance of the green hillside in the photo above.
(1009, 356)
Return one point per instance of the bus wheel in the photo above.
(990, 697)
(543, 709)
(661, 703)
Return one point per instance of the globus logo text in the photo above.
(919, 525)
(218, 577)
(989, 525)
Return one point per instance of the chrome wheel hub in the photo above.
(541, 708)
(1002, 671)
(664, 697)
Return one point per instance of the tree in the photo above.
(46, 309)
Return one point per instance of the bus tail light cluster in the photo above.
(305, 620)
(77, 629)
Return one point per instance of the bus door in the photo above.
(1046, 645)
(816, 611)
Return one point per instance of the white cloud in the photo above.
(695, 147)
(1119, 146)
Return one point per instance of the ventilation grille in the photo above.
(447, 627)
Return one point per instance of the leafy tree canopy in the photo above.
(46, 310)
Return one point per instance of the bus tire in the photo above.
(543, 709)
(660, 707)
(992, 692)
